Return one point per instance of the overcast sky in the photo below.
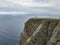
(30, 6)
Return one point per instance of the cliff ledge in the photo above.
(41, 31)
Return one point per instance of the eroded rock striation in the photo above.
(41, 31)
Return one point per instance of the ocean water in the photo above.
(10, 29)
(11, 26)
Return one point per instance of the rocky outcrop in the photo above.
(41, 31)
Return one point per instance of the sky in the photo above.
(29, 6)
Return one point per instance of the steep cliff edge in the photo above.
(41, 31)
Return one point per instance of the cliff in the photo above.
(41, 31)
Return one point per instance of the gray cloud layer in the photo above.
(30, 6)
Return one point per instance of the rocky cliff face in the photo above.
(41, 31)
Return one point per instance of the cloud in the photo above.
(30, 6)
(13, 12)
(29, 3)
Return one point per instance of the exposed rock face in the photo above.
(41, 32)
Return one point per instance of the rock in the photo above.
(41, 31)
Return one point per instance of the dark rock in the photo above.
(41, 31)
